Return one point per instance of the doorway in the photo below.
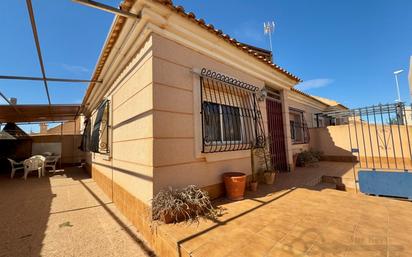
(276, 133)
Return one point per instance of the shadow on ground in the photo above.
(63, 214)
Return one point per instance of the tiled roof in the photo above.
(319, 99)
(191, 16)
(117, 27)
(120, 21)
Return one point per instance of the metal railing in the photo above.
(380, 135)
(231, 117)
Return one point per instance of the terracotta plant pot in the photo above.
(235, 183)
(253, 186)
(180, 216)
(270, 178)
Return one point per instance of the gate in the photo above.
(276, 134)
(380, 142)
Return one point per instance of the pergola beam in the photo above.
(107, 8)
(5, 98)
(48, 79)
(10, 103)
(36, 39)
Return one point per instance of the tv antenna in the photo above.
(268, 29)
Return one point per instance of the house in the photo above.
(71, 127)
(181, 103)
(307, 112)
(410, 78)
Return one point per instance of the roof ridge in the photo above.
(201, 22)
(318, 98)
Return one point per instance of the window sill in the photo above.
(223, 156)
(103, 156)
(299, 143)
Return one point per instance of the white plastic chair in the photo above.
(46, 154)
(51, 162)
(15, 166)
(34, 163)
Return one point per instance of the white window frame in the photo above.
(222, 141)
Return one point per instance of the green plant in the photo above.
(308, 157)
(186, 204)
(253, 166)
(264, 157)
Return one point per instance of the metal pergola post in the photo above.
(36, 40)
(107, 8)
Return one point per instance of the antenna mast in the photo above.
(268, 29)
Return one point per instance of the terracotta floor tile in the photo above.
(278, 221)
(59, 216)
(281, 250)
(257, 247)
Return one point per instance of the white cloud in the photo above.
(75, 68)
(314, 83)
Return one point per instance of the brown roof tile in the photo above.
(180, 10)
(120, 21)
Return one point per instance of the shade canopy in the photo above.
(38, 113)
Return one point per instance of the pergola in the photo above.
(38, 113)
(48, 112)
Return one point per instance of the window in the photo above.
(298, 128)
(221, 123)
(231, 118)
(85, 143)
(212, 123)
(100, 136)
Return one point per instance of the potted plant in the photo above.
(175, 205)
(264, 155)
(270, 177)
(254, 179)
(235, 183)
(308, 157)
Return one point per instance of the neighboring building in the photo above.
(410, 78)
(408, 115)
(306, 112)
(63, 128)
(181, 103)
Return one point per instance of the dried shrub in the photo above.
(186, 204)
(308, 157)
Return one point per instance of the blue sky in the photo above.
(71, 37)
(344, 50)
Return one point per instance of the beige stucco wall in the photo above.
(177, 158)
(309, 109)
(335, 140)
(155, 122)
(69, 144)
(130, 162)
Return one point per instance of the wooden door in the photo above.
(276, 134)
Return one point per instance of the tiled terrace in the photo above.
(294, 219)
(68, 215)
(63, 215)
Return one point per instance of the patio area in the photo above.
(297, 217)
(63, 215)
(68, 215)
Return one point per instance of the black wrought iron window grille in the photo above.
(231, 117)
(100, 135)
(299, 131)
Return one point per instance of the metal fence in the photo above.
(380, 135)
(231, 117)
